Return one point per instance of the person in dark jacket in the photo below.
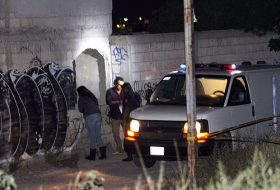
(88, 105)
(129, 103)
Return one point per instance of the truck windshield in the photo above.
(210, 91)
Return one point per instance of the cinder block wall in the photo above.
(234, 46)
(143, 59)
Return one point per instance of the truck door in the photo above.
(242, 112)
(262, 83)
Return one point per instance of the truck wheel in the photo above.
(148, 162)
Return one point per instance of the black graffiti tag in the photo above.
(141, 87)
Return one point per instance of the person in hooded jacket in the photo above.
(131, 101)
(88, 105)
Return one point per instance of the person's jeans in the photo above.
(93, 123)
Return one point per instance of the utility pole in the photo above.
(190, 95)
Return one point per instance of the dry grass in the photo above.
(250, 166)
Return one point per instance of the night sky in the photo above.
(133, 9)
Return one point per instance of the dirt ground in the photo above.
(117, 174)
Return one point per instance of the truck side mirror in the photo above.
(148, 94)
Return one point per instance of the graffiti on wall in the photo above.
(120, 54)
(34, 108)
(105, 115)
(141, 87)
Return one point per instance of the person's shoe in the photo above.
(103, 153)
(92, 154)
(128, 158)
(117, 153)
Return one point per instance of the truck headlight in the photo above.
(197, 126)
(134, 125)
(133, 130)
(202, 130)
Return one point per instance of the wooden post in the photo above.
(190, 95)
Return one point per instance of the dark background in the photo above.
(133, 9)
(167, 16)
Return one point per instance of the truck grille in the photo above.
(161, 130)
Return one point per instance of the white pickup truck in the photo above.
(231, 101)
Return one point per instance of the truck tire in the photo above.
(148, 162)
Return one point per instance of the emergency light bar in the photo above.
(183, 66)
(211, 65)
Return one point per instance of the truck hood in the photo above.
(166, 112)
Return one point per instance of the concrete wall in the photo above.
(143, 59)
(53, 45)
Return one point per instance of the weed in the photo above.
(91, 181)
(7, 182)
(15, 165)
